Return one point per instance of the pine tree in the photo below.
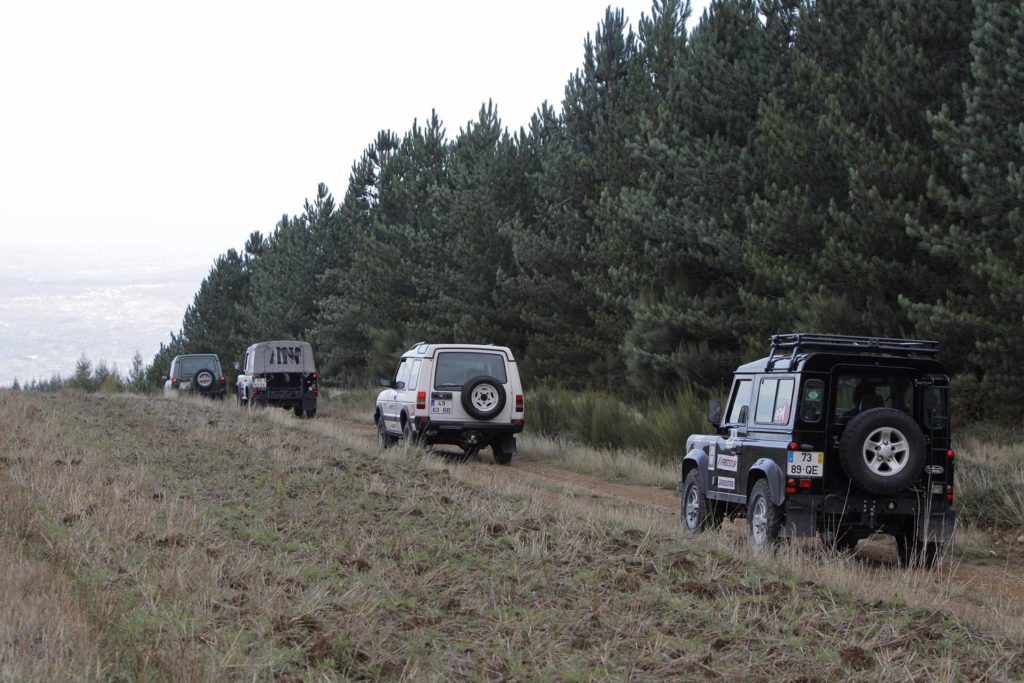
(978, 313)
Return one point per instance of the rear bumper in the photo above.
(286, 397)
(459, 432)
(931, 518)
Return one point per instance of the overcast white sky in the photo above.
(139, 140)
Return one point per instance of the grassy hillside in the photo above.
(153, 539)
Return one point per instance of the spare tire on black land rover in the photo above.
(882, 450)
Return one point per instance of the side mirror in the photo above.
(398, 385)
(164, 377)
(715, 413)
(238, 366)
(385, 382)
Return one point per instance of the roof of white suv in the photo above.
(423, 349)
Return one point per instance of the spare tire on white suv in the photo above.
(468, 395)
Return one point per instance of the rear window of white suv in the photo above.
(455, 368)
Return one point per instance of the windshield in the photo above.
(455, 368)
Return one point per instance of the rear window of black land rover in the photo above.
(455, 368)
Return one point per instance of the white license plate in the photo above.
(440, 406)
(260, 382)
(185, 386)
(805, 464)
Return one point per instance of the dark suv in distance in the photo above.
(833, 435)
(195, 373)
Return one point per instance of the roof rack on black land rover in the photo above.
(802, 341)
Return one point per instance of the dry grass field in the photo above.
(153, 539)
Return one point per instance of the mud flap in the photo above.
(801, 520)
(938, 526)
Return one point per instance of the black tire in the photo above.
(696, 512)
(384, 439)
(409, 435)
(297, 410)
(842, 541)
(310, 413)
(203, 381)
(914, 554)
(483, 397)
(882, 450)
(503, 447)
(764, 519)
(501, 455)
(241, 401)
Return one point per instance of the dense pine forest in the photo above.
(786, 165)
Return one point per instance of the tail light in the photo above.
(314, 376)
(519, 403)
(949, 493)
(222, 379)
(421, 400)
(805, 483)
(174, 381)
(950, 454)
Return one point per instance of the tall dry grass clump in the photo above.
(990, 475)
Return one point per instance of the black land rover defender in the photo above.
(833, 435)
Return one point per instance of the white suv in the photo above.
(464, 394)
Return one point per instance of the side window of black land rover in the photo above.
(739, 410)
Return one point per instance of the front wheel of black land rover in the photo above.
(384, 440)
(914, 554)
(882, 450)
(697, 512)
(764, 519)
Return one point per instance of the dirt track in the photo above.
(1000, 573)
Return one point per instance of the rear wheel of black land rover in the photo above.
(697, 512)
(882, 450)
(841, 541)
(297, 410)
(914, 554)
(764, 519)
(483, 397)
